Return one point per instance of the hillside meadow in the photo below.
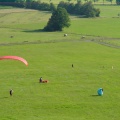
(71, 92)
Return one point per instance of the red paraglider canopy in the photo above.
(14, 58)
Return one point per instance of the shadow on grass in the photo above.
(4, 97)
(94, 95)
(37, 30)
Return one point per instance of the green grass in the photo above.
(106, 27)
(5, 7)
(106, 11)
(71, 92)
(34, 21)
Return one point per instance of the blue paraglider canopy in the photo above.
(100, 91)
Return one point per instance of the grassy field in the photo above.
(71, 92)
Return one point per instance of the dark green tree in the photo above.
(28, 3)
(34, 5)
(52, 7)
(118, 2)
(68, 6)
(77, 9)
(89, 11)
(58, 20)
(19, 1)
(7, 0)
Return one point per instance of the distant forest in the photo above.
(84, 10)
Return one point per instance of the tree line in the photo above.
(87, 9)
(29, 4)
(10, 1)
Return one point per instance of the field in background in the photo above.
(108, 10)
(27, 25)
(71, 92)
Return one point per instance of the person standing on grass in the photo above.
(40, 80)
(11, 92)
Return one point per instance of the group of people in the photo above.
(100, 90)
(40, 80)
